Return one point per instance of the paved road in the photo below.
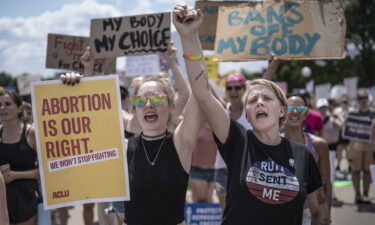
(345, 215)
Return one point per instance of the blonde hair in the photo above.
(164, 82)
(275, 89)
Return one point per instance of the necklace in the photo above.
(156, 136)
(157, 154)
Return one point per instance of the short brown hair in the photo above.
(275, 89)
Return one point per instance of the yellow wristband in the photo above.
(193, 58)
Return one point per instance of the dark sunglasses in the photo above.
(237, 88)
(300, 108)
(362, 97)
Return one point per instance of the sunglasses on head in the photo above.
(237, 88)
(299, 108)
(155, 99)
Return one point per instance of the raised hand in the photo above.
(186, 19)
(86, 58)
(171, 53)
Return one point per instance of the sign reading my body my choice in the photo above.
(130, 35)
(290, 29)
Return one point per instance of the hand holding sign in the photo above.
(186, 19)
(71, 78)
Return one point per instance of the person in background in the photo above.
(251, 155)
(18, 159)
(201, 174)
(360, 153)
(297, 111)
(331, 133)
(314, 121)
(27, 113)
(4, 219)
(342, 145)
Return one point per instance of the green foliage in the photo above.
(7, 80)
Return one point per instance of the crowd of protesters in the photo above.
(217, 146)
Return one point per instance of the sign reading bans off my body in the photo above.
(130, 35)
(291, 29)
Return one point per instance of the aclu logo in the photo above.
(60, 194)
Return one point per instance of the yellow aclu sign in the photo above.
(212, 66)
(81, 144)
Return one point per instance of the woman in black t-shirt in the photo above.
(268, 176)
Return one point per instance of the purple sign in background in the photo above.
(358, 128)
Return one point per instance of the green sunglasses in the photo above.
(157, 100)
(300, 108)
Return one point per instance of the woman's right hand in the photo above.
(86, 58)
(71, 78)
(186, 19)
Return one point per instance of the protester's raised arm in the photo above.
(187, 20)
(88, 63)
(273, 64)
(182, 88)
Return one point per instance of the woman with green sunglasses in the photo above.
(297, 112)
(158, 160)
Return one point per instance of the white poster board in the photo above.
(351, 86)
(322, 91)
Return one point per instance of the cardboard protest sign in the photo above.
(80, 140)
(65, 51)
(351, 85)
(203, 213)
(310, 86)
(142, 65)
(358, 128)
(322, 91)
(291, 29)
(130, 35)
(207, 30)
(23, 83)
(212, 66)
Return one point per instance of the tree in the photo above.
(7, 80)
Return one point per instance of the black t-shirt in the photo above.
(266, 184)
(157, 193)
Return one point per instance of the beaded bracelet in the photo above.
(193, 58)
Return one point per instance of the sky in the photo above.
(24, 25)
